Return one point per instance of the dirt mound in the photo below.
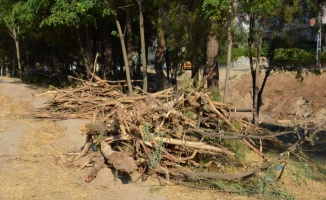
(285, 97)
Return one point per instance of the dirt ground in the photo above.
(28, 146)
(285, 99)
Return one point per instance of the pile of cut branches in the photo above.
(168, 133)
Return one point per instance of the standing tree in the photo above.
(124, 52)
(276, 17)
(214, 11)
(229, 53)
(162, 80)
(11, 15)
(260, 11)
(142, 44)
(111, 9)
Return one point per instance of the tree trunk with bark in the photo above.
(229, 54)
(124, 52)
(255, 70)
(129, 42)
(142, 44)
(162, 81)
(15, 35)
(86, 59)
(108, 58)
(211, 61)
(251, 57)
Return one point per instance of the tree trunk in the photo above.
(256, 77)
(6, 69)
(124, 53)
(89, 52)
(162, 81)
(252, 70)
(108, 58)
(272, 48)
(211, 61)
(14, 34)
(129, 42)
(142, 42)
(167, 59)
(228, 65)
(84, 56)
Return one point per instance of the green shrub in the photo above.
(215, 96)
(294, 56)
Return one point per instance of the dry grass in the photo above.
(34, 174)
(306, 185)
(37, 177)
(13, 110)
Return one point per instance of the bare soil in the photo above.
(28, 146)
(286, 99)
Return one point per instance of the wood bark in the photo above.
(142, 44)
(162, 80)
(83, 52)
(129, 42)
(229, 54)
(197, 145)
(211, 61)
(256, 77)
(97, 167)
(124, 52)
(14, 33)
(108, 58)
(251, 59)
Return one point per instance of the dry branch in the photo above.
(97, 167)
(157, 131)
(196, 145)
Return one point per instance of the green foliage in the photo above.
(262, 187)
(187, 84)
(214, 9)
(268, 189)
(323, 57)
(293, 57)
(157, 155)
(236, 146)
(301, 172)
(236, 53)
(264, 8)
(146, 134)
(179, 37)
(69, 12)
(236, 125)
(108, 11)
(215, 95)
(191, 115)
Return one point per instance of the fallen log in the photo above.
(196, 145)
(120, 160)
(97, 167)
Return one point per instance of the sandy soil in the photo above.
(285, 98)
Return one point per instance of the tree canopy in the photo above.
(66, 35)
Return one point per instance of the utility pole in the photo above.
(318, 53)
